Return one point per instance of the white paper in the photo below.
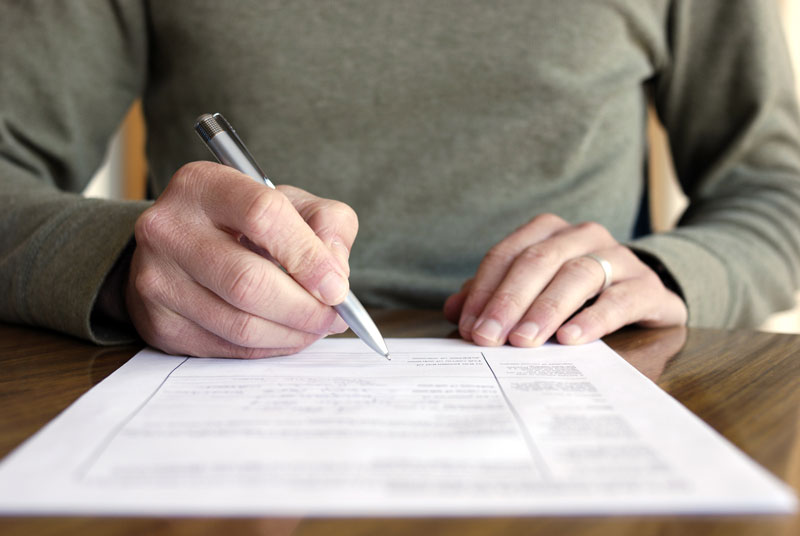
(444, 428)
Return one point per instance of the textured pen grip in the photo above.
(207, 126)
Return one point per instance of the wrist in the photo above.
(110, 304)
(655, 264)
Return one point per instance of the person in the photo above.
(501, 145)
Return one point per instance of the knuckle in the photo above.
(547, 309)
(499, 255)
(245, 284)
(242, 330)
(188, 173)
(149, 284)
(344, 213)
(266, 207)
(313, 320)
(333, 220)
(548, 219)
(616, 304)
(189, 178)
(305, 259)
(594, 229)
(504, 301)
(592, 316)
(478, 296)
(538, 255)
(581, 268)
(151, 226)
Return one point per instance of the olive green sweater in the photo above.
(444, 124)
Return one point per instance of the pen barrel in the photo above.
(227, 147)
(357, 317)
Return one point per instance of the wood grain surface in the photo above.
(745, 384)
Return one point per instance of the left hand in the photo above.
(529, 286)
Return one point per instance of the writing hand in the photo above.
(202, 278)
(529, 286)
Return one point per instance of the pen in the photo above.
(226, 146)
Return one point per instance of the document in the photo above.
(445, 428)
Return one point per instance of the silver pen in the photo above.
(226, 146)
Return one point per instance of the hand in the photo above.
(529, 286)
(203, 281)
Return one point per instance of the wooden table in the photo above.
(744, 384)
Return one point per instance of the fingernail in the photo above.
(572, 333)
(333, 288)
(527, 331)
(489, 329)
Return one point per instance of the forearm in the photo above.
(56, 251)
(70, 71)
(728, 102)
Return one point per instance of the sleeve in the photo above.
(70, 72)
(726, 97)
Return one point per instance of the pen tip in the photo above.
(387, 356)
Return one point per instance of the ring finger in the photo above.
(528, 276)
(578, 280)
(498, 262)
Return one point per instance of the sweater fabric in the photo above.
(445, 124)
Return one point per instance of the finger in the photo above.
(238, 276)
(243, 240)
(642, 299)
(334, 222)
(168, 331)
(529, 274)
(199, 305)
(176, 335)
(454, 304)
(578, 280)
(233, 201)
(496, 263)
